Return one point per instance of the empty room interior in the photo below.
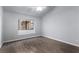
(39, 29)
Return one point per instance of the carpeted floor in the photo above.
(38, 45)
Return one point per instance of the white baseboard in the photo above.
(43, 36)
(61, 40)
(19, 39)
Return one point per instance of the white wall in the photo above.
(63, 24)
(0, 26)
(10, 25)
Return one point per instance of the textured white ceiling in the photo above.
(29, 10)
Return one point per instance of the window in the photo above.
(25, 26)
